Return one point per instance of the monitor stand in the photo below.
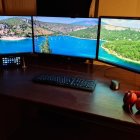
(23, 63)
(64, 63)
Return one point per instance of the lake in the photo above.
(16, 46)
(69, 46)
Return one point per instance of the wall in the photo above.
(1, 7)
(19, 7)
(63, 8)
(106, 7)
(119, 8)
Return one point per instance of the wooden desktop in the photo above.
(101, 110)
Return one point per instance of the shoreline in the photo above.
(121, 57)
(72, 37)
(82, 38)
(13, 38)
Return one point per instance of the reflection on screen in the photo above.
(120, 42)
(66, 36)
(15, 35)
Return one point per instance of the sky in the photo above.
(131, 23)
(6, 17)
(65, 20)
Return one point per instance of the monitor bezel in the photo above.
(98, 42)
(61, 56)
(21, 53)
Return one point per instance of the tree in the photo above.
(45, 47)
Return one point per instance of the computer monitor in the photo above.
(119, 42)
(65, 36)
(15, 35)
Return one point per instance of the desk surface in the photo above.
(102, 103)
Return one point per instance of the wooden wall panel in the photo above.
(106, 7)
(20, 7)
(1, 10)
(92, 8)
(138, 8)
(119, 8)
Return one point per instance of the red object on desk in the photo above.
(129, 99)
(137, 92)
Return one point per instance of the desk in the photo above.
(103, 107)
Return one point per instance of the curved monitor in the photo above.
(119, 42)
(73, 37)
(15, 35)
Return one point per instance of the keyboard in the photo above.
(65, 81)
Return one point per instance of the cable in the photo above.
(132, 115)
(107, 70)
(128, 109)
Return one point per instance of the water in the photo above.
(69, 46)
(105, 56)
(16, 46)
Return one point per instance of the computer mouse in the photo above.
(114, 85)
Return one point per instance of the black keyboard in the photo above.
(65, 81)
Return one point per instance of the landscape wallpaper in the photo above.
(15, 34)
(120, 42)
(66, 36)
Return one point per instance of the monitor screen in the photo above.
(15, 35)
(76, 37)
(119, 42)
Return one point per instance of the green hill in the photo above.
(16, 27)
(90, 32)
(123, 43)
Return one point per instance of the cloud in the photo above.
(131, 23)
